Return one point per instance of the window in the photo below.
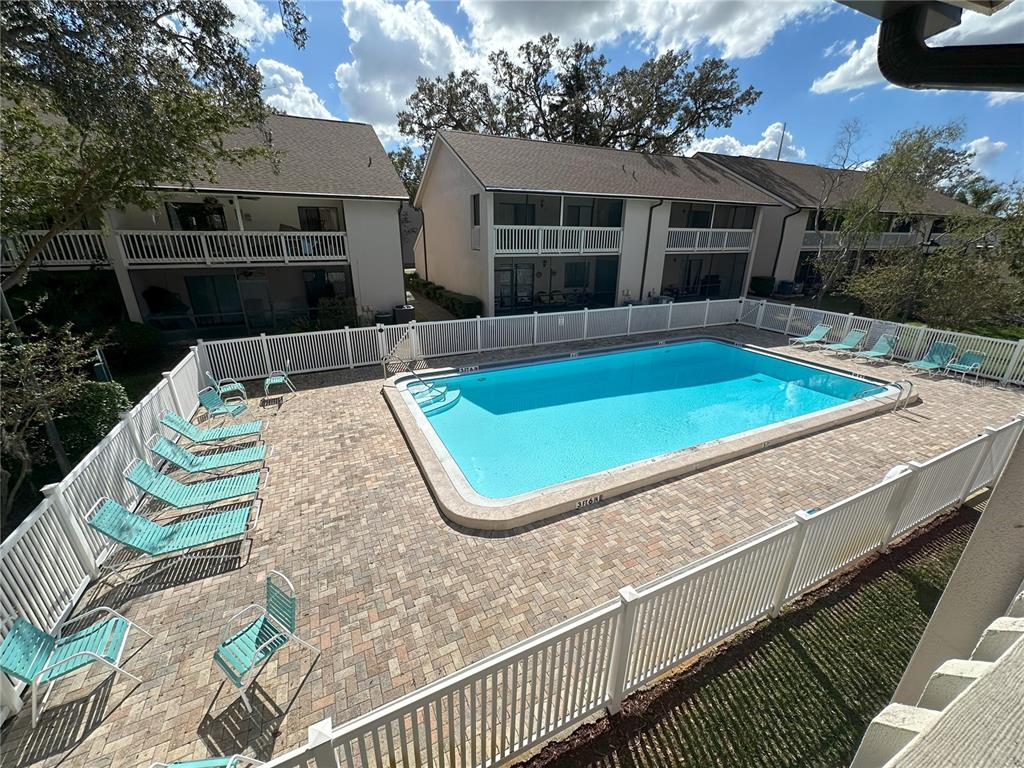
(734, 217)
(901, 225)
(938, 226)
(215, 299)
(690, 215)
(207, 215)
(830, 221)
(317, 219)
(474, 208)
(577, 274)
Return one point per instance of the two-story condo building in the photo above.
(789, 238)
(532, 225)
(260, 245)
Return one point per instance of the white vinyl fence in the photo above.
(513, 701)
(48, 560)
(254, 357)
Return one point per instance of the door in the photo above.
(693, 271)
(215, 299)
(524, 285)
(513, 286)
(606, 277)
(255, 295)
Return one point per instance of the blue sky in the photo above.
(813, 60)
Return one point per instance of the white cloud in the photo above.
(392, 45)
(737, 29)
(284, 88)
(986, 152)
(998, 98)
(840, 48)
(861, 66)
(768, 146)
(253, 25)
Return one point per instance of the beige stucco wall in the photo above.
(375, 247)
(634, 233)
(445, 200)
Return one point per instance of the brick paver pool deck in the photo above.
(397, 597)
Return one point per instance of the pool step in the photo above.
(425, 394)
(442, 404)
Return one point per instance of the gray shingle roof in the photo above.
(544, 166)
(801, 184)
(317, 157)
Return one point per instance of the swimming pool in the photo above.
(508, 433)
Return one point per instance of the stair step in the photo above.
(442, 404)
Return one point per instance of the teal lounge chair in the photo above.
(884, 346)
(816, 336)
(215, 405)
(180, 495)
(39, 658)
(279, 379)
(939, 355)
(225, 386)
(209, 462)
(849, 344)
(182, 538)
(185, 428)
(243, 652)
(229, 761)
(968, 363)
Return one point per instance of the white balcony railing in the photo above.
(881, 240)
(155, 248)
(709, 239)
(75, 248)
(517, 239)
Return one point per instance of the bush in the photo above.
(461, 305)
(134, 345)
(90, 416)
(762, 286)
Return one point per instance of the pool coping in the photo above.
(462, 505)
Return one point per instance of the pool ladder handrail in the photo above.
(905, 395)
(407, 367)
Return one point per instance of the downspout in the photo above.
(782, 235)
(423, 226)
(647, 245)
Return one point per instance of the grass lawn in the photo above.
(798, 691)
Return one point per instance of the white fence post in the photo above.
(71, 529)
(203, 358)
(849, 324)
(174, 394)
(414, 340)
(266, 352)
(629, 319)
(137, 439)
(586, 317)
(789, 565)
(535, 329)
(479, 336)
(668, 317)
(707, 309)
(620, 649)
(319, 745)
(1014, 360)
(909, 478)
(348, 348)
(382, 346)
(760, 314)
(789, 319)
(986, 450)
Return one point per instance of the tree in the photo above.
(890, 286)
(50, 368)
(409, 165)
(101, 102)
(566, 93)
(986, 195)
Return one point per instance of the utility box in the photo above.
(403, 313)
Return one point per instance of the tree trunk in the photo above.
(14, 279)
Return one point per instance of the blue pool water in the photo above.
(519, 429)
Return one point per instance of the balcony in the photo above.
(144, 248)
(511, 240)
(881, 240)
(709, 240)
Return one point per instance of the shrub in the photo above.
(461, 305)
(762, 286)
(134, 345)
(91, 415)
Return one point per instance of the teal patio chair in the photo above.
(278, 379)
(228, 761)
(242, 653)
(168, 541)
(226, 386)
(186, 428)
(182, 495)
(209, 462)
(215, 405)
(939, 355)
(968, 363)
(39, 658)
(816, 336)
(849, 344)
(883, 347)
